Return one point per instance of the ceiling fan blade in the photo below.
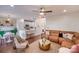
(48, 11)
(45, 11)
(42, 10)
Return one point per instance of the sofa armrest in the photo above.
(53, 38)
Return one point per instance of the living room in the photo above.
(39, 29)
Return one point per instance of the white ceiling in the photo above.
(26, 11)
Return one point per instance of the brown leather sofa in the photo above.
(54, 37)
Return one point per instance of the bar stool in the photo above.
(2, 42)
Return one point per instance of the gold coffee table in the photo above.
(44, 44)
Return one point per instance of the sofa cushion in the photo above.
(56, 33)
(76, 35)
(76, 41)
(61, 40)
(67, 43)
(53, 38)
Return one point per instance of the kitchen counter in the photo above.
(4, 29)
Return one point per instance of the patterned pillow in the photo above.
(65, 35)
(68, 36)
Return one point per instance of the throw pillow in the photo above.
(68, 36)
(65, 35)
(75, 49)
(64, 50)
(60, 34)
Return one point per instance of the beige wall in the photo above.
(67, 22)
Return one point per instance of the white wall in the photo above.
(67, 22)
(20, 24)
(40, 24)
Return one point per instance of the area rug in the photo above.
(34, 48)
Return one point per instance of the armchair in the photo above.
(8, 36)
(20, 45)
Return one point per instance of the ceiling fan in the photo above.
(42, 10)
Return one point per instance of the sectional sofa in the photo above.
(64, 38)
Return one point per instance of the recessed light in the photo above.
(65, 10)
(8, 19)
(41, 13)
(22, 20)
(12, 5)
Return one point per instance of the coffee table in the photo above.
(34, 48)
(44, 44)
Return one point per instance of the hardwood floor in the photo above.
(9, 48)
(32, 39)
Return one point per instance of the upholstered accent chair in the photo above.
(20, 44)
(9, 37)
(22, 34)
